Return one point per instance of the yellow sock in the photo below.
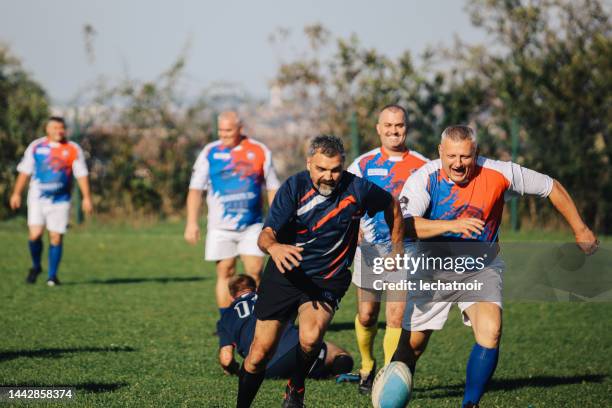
(365, 341)
(390, 342)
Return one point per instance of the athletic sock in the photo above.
(365, 342)
(304, 362)
(55, 256)
(36, 248)
(390, 341)
(248, 385)
(480, 368)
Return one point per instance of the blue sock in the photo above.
(55, 256)
(480, 369)
(222, 309)
(36, 248)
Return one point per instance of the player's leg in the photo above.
(57, 215)
(222, 248)
(225, 268)
(253, 266)
(313, 319)
(35, 246)
(411, 346)
(366, 326)
(421, 318)
(36, 227)
(250, 254)
(252, 371)
(394, 312)
(486, 321)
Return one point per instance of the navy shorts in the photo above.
(280, 295)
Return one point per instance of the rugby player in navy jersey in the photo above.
(237, 327)
(311, 235)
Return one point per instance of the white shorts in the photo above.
(45, 213)
(362, 277)
(224, 244)
(426, 315)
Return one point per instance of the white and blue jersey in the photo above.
(52, 166)
(234, 178)
(389, 173)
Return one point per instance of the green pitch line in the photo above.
(132, 325)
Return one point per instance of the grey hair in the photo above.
(458, 133)
(328, 145)
(230, 115)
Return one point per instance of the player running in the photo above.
(311, 235)
(237, 327)
(50, 162)
(388, 166)
(233, 170)
(459, 198)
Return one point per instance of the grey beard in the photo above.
(325, 190)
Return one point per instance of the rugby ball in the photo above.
(392, 386)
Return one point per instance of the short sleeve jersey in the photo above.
(234, 178)
(52, 166)
(236, 327)
(389, 173)
(429, 193)
(325, 226)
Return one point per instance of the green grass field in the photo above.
(133, 322)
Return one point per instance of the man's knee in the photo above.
(311, 340)
(394, 315)
(35, 234)
(368, 314)
(226, 268)
(488, 334)
(55, 238)
(258, 357)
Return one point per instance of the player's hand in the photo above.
(587, 241)
(87, 206)
(466, 226)
(15, 201)
(192, 233)
(286, 257)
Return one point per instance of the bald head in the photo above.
(230, 128)
(392, 108)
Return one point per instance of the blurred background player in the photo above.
(237, 327)
(311, 235)
(50, 162)
(387, 166)
(462, 195)
(232, 170)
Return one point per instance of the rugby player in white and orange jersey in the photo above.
(232, 170)
(387, 166)
(50, 162)
(459, 199)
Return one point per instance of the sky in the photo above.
(228, 41)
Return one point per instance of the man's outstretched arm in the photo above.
(560, 198)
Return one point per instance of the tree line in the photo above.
(546, 69)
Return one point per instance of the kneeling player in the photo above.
(237, 327)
